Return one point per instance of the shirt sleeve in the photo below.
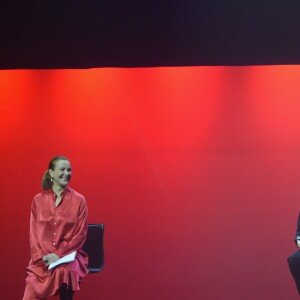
(79, 236)
(35, 248)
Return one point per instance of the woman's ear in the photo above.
(50, 171)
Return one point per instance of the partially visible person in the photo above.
(294, 259)
(58, 226)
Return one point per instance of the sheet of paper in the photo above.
(65, 259)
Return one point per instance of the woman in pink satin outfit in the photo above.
(58, 226)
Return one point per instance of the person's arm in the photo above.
(79, 236)
(35, 248)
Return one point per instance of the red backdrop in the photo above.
(194, 171)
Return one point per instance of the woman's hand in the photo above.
(50, 258)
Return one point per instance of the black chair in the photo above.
(93, 246)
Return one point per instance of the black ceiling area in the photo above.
(118, 33)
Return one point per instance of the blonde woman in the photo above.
(58, 226)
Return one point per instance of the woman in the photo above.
(58, 226)
(294, 259)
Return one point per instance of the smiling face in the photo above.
(61, 174)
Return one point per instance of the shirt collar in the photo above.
(64, 192)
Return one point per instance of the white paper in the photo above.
(65, 259)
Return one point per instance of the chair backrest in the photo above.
(93, 246)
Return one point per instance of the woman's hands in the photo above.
(50, 258)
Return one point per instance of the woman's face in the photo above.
(61, 174)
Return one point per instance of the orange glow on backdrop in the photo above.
(193, 170)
